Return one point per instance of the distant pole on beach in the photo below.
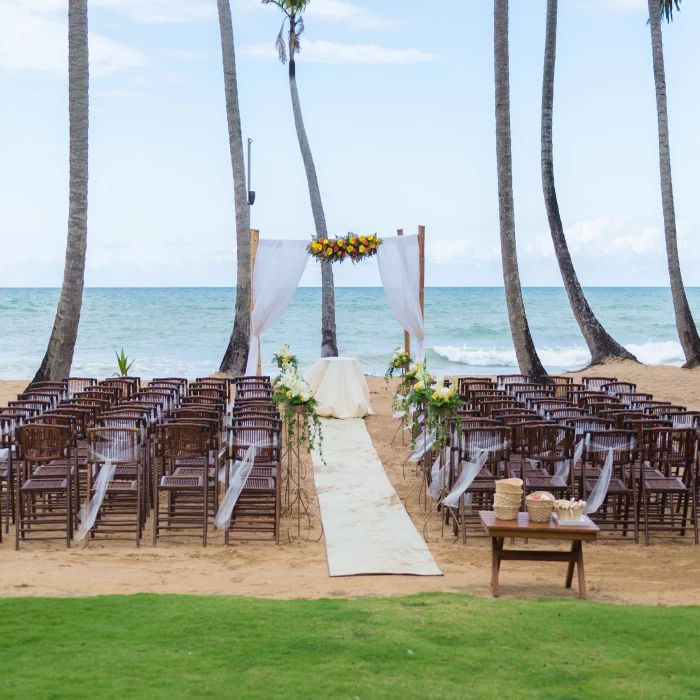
(254, 239)
(251, 192)
(421, 263)
(406, 334)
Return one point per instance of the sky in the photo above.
(398, 100)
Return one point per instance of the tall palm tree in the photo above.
(236, 356)
(528, 360)
(687, 330)
(601, 345)
(293, 13)
(58, 359)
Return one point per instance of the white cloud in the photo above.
(37, 39)
(610, 5)
(181, 55)
(585, 233)
(160, 11)
(542, 247)
(329, 52)
(649, 240)
(451, 249)
(347, 13)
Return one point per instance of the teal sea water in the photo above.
(184, 332)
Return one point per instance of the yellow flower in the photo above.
(289, 394)
(370, 237)
(362, 239)
(329, 251)
(436, 395)
(350, 249)
(362, 249)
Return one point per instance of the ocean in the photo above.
(184, 332)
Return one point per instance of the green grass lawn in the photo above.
(437, 645)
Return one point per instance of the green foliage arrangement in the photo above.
(123, 364)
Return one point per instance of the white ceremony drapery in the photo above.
(279, 266)
(399, 268)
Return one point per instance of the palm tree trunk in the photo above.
(528, 360)
(58, 359)
(329, 343)
(687, 330)
(236, 355)
(601, 345)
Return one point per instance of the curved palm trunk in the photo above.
(58, 359)
(687, 330)
(528, 360)
(601, 345)
(236, 355)
(329, 343)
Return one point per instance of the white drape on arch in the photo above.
(279, 266)
(399, 267)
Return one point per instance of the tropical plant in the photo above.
(528, 360)
(600, 344)
(58, 359)
(123, 364)
(236, 355)
(687, 330)
(287, 48)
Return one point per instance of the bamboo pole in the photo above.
(421, 262)
(254, 239)
(406, 334)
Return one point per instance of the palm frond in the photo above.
(666, 9)
(299, 30)
(281, 45)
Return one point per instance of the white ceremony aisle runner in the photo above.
(367, 529)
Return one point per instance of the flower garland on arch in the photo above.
(350, 247)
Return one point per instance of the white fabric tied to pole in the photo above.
(399, 267)
(561, 476)
(424, 441)
(470, 470)
(240, 471)
(600, 490)
(88, 513)
(279, 266)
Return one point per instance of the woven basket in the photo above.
(506, 512)
(509, 485)
(507, 499)
(539, 511)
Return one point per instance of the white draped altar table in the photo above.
(340, 387)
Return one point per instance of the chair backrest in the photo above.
(43, 443)
(563, 413)
(617, 387)
(681, 419)
(497, 440)
(77, 384)
(264, 435)
(119, 445)
(184, 440)
(598, 443)
(586, 424)
(670, 446)
(549, 441)
(595, 383)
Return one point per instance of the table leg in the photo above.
(572, 564)
(579, 565)
(495, 565)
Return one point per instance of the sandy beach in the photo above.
(666, 573)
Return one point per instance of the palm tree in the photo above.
(528, 360)
(236, 356)
(58, 359)
(687, 330)
(601, 345)
(287, 49)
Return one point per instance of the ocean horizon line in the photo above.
(233, 287)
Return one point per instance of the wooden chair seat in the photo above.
(181, 482)
(38, 485)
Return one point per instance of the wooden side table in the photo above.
(499, 530)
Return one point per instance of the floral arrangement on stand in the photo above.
(350, 247)
(293, 395)
(442, 414)
(284, 358)
(400, 360)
